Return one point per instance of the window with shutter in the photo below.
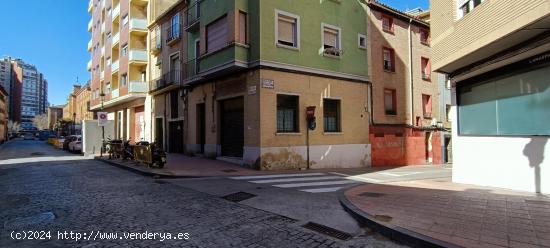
(388, 58)
(287, 30)
(242, 27)
(427, 105)
(216, 35)
(390, 102)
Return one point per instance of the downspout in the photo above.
(410, 85)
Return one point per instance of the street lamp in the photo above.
(102, 97)
(74, 123)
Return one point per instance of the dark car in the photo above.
(68, 140)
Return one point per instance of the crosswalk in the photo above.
(305, 182)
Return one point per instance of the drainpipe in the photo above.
(410, 85)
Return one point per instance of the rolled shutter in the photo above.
(216, 34)
(286, 29)
(331, 37)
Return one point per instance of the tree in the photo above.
(13, 126)
(41, 121)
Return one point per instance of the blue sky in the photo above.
(53, 35)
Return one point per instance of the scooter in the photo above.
(127, 150)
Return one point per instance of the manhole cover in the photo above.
(372, 194)
(384, 218)
(12, 201)
(239, 196)
(327, 231)
(229, 171)
(37, 153)
(29, 221)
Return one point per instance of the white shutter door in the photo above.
(286, 30)
(216, 34)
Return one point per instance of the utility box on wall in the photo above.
(92, 136)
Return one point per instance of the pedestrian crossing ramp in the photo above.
(305, 182)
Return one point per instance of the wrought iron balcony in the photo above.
(192, 15)
(173, 33)
(172, 77)
(156, 44)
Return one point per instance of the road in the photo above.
(48, 191)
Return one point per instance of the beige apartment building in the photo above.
(55, 113)
(496, 54)
(118, 64)
(405, 125)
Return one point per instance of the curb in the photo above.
(142, 172)
(396, 233)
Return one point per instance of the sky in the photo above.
(53, 35)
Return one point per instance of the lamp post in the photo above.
(102, 97)
(74, 123)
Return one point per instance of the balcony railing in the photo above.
(173, 32)
(116, 12)
(138, 24)
(115, 93)
(191, 69)
(115, 40)
(193, 15)
(137, 87)
(156, 43)
(173, 77)
(114, 66)
(137, 55)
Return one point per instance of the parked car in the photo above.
(76, 145)
(68, 140)
(58, 143)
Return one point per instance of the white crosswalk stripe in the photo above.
(304, 182)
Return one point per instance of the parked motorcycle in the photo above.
(114, 148)
(127, 150)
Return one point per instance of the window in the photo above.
(448, 112)
(287, 30)
(125, 20)
(174, 29)
(390, 102)
(389, 59)
(516, 104)
(123, 79)
(426, 68)
(287, 114)
(466, 6)
(387, 23)
(124, 50)
(109, 35)
(331, 40)
(243, 26)
(331, 115)
(174, 104)
(424, 36)
(362, 41)
(427, 105)
(217, 35)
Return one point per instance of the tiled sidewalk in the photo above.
(465, 215)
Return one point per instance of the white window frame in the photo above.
(340, 45)
(359, 37)
(297, 17)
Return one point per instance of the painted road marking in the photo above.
(358, 178)
(322, 190)
(295, 185)
(402, 174)
(278, 176)
(296, 179)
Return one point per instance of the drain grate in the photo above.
(329, 231)
(239, 196)
(229, 171)
(372, 194)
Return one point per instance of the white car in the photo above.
(76, 145)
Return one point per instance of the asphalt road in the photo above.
(46, 194)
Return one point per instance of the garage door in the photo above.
(232, 127)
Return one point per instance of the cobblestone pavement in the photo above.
(87, 196)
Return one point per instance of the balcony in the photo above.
(173, 33)
(138, 24)
(90, 46)
(156, 44)
(171, 78)
(115, 93)
(192, 16)
(114, 67)
(115, 13)
(90, 6)
(102, 75)
(137, 56)
(115, 39)
(426, 75)
(137, 87)
(103, 27)
(89, 65)
(102, 51)
(103, 4)
(90, 25)
(190, 69)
